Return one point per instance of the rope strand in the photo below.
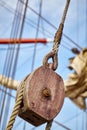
(57, 39)
(49, 125)
(16, 107)
(65, 11)
(58, 35)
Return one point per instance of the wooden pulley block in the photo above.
(43, 96)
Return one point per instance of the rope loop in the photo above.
(57, 40)
(54, 52)
(52, 55)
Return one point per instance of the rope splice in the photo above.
(54, 53)
(57, 39)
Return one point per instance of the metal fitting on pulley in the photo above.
(53, 65)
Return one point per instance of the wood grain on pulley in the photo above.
(43, 96)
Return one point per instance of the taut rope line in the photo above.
(54, 53)
(56, 43)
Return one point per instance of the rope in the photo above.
(19, 99)
(37, 32)
(54, 53)
(65, 11)
(49, 124)
(16, 107)
(59, 32)
(57, 39)
(56, 43)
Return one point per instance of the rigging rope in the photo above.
(54, 27)
(10, 61)
(12, 10)
(37, 31)
(63, 126)
(20, 95)
(7, 71)
(28, 20)
(48, 126)
(58, 34)
(57, 39)
(19, 99)
(33, 23)
(53, 53)
(16, 107)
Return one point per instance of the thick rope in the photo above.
(65, 12)
(58, 34)
(48, 126)
(57, 39)
(16, 107)
(20, 95)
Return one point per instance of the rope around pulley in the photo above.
(16, 107)
(54, 53)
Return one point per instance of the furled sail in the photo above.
(76, 85)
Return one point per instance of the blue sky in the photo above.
(75, 28)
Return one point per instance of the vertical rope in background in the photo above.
(20, 95)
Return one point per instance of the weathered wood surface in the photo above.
(39, 107)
